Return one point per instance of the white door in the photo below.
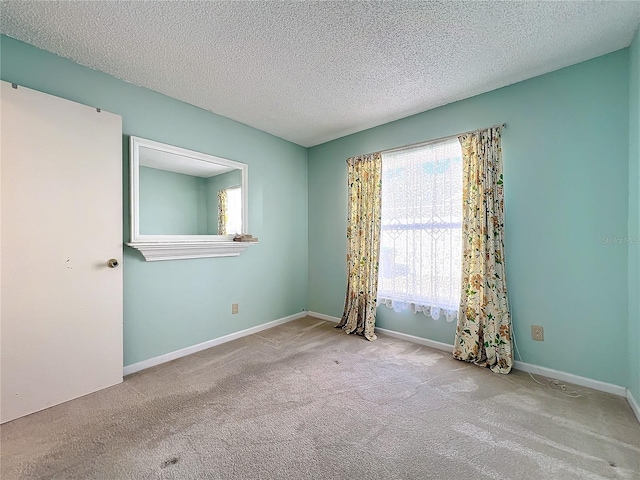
(61, 221)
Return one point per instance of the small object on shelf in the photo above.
(244, 237)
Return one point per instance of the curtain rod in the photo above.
(420, 144)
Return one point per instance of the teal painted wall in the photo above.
(634, 218)
(566, 190)
(172, 203)
(572, 181)
(174, 304)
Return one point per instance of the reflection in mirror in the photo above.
(188, 198)
(186, 204)
(229, 210)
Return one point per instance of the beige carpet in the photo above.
(305, 401)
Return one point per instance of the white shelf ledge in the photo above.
(155, 251)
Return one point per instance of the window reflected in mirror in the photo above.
(230, 211)
(178, 197)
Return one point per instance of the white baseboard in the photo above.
(445, 347)
(393, 333)
(571, 378)
(322, 316)
(633, 404)
(167, 357)
(525, 367)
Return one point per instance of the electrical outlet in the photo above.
(234, 308)
(537, 332)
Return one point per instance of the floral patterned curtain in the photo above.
(222, 212)
(363, 250)
(483, 334)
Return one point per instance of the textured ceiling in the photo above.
(311, 72)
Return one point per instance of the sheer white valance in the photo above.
(420, 253)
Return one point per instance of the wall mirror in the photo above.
(185, 204)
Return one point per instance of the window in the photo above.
(421, 250)
(233, 220)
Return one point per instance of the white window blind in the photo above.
(420, 253)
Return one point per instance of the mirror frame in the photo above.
(171, 247)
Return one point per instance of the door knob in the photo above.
(112, 263)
